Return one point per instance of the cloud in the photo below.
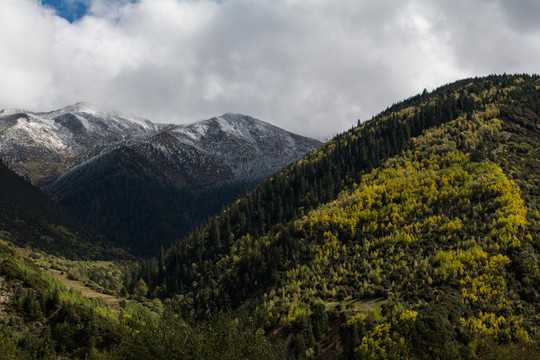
(309, 66)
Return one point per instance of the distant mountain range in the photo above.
(143, 184)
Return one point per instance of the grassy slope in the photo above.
(46, 319)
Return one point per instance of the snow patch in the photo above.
(227, 126)
(120, 120)
(40, 133)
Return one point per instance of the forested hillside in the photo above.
(102, 194)
(413, 235)
(30, 218)
(41, 318)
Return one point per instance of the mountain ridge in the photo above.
(44, 145)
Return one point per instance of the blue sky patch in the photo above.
(71, 10)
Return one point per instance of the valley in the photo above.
(111, 301)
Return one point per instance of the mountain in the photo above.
(231, 147)
(40, 317)
(145, 193)
(28, 217)
(43, 145)
(413, 235)
(93, 162)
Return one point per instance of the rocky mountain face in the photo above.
(144, 184)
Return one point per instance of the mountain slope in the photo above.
(144, 194)
(42, 319)
(247, 146)
(430, 208)
(28, 217)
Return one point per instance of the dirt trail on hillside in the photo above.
(111, 301)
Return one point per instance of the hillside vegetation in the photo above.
(430, 209)
(101, 194)
(41, 319)
(30, 218)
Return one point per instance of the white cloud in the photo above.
(310, 66)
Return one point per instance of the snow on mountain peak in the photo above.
(40, 134)
(231, 124)
(8, 112)
(71, 133)
(83, 107)
(89, 111)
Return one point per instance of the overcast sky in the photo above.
(310, 66)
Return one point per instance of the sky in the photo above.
(314, 67)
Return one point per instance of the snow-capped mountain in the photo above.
(44, 145)
(143, 184)
(259, 146)
(228, 147)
